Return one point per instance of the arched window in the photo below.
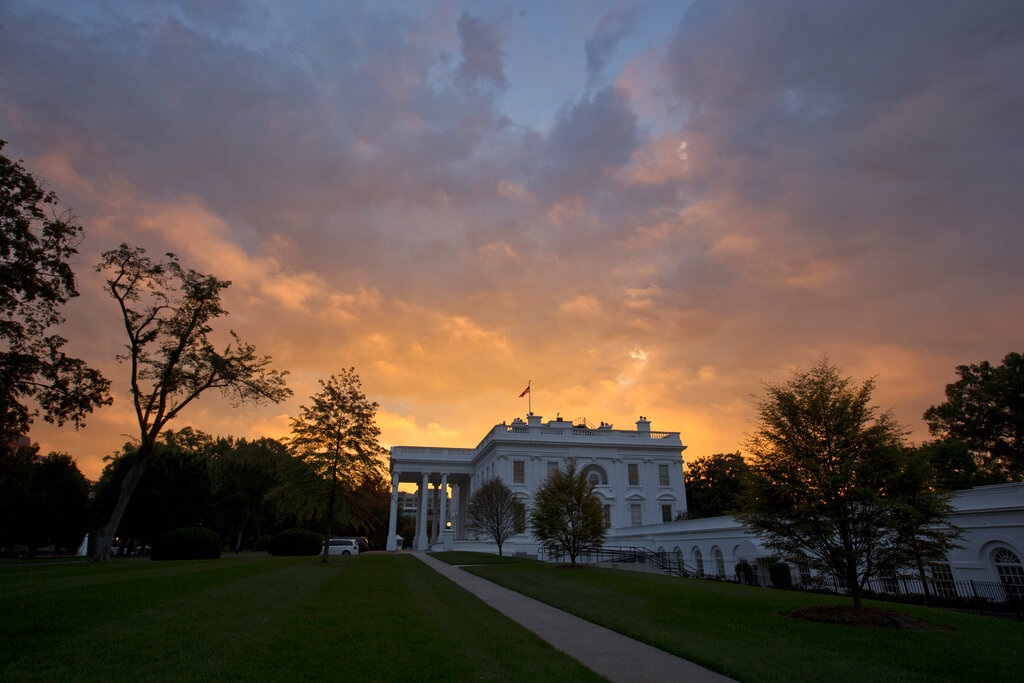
(679, 556)
(698, 561)
(595, 475)
(719, 562)
(1010, 571)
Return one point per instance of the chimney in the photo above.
(533, 420)
(643, 425)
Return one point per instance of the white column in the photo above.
(435, 531)
(421, 523)
(392, 545)
(443, 523)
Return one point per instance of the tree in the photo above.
(336, 436)
(985, 410)
(492, 511)
(43, 500)
(714, 484)
(175, 490)
(566, 514)
(36, 280)
(244, 475)
(828, 476)
(167, 311)
(916, 524)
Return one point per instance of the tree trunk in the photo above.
(105, 536)
(852, 584)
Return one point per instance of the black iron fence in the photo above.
(990, 598)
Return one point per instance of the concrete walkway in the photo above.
(610, 654)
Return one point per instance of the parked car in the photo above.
(364, 544)
(342, 546)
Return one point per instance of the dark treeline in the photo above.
(245, 490)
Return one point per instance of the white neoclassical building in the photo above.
(638, 478)
(637, 474)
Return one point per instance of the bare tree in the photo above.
(167, 311)
(493, 511)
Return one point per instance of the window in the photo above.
(552, 469)
(634, 474)
(520, 515)
(1010, 570)
(942, 580)
(663, 475)
(596, 475)
(719, 563)
(666, 513)
(518, 471)
(698, 561)
(607, 516)
(635, 517)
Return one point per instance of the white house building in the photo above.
(638, 478)
(637, 474)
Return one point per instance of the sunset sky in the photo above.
(641, 208)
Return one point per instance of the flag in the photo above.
(525, 391)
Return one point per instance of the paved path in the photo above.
(610, 654)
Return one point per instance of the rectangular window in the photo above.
(518, 472)
(520, 509)
(607, 516)
(552, 468)
(662, 475)
(666, 513)
(942, 580)
(634, 474)
(635, 517)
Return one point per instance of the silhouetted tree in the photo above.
(43, 500)
(36, 280)
(566, 514)
(492, 511)
(830, 478)
(244, 475)
(167, 312)
(714, 484)
(336, 437)
(985, 410)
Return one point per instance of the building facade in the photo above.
(637, 475)
(638, 478)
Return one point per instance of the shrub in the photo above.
(187, 543)
(781, 574)
(262, 543)
(296, 542)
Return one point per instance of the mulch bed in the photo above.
(876, 617)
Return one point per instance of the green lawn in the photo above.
(743, 631)
(373, 617)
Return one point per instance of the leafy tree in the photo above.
(336, 437)
(985, 410)
(714, 484)
(244, 475)
(175, 490)
(829, 475)
(492, 511)
(43, 500)
(566, 514)
(954, 467)
(36, 280)
(916, 527)
(167, 311)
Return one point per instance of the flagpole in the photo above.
(529, 398)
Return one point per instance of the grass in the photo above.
(374, 617)
(743, 631)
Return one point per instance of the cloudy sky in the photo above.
(641, 208)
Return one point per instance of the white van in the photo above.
(342, 546)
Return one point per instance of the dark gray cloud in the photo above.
(607, 35)
(848, 184)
